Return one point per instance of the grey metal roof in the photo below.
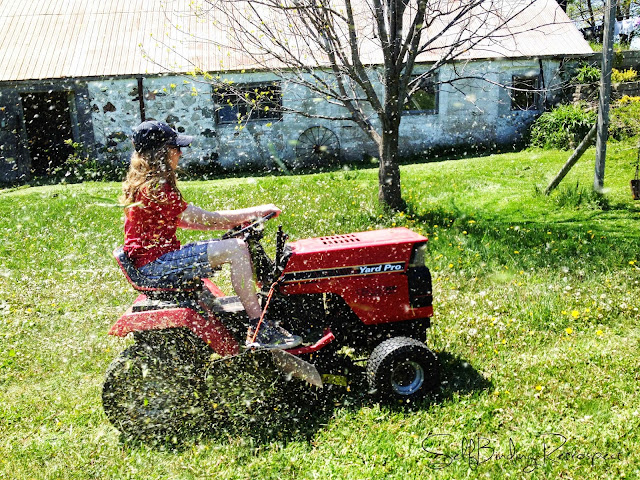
(46, 39)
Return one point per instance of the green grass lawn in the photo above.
(536, 327)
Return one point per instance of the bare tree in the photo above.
(584, 11)
(361, 54)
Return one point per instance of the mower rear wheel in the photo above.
(148, 396)
(402, 369)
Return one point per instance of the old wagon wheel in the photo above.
(318, 147)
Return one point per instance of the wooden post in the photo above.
(605, 95)
(575, 156)
(141, 100)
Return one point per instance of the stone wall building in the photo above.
(90, 71)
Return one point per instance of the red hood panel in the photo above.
(353, 249)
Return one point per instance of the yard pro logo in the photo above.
(384, 267)
(344, 272)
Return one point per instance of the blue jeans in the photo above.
(188, 263)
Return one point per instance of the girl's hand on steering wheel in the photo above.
(264, 210)
(240, 230)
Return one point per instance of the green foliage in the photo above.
(624, 120)
(587, 73)
(620, 76)
(563, 127)
(80, 166)
(595, 46)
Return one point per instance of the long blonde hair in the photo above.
(148, 171)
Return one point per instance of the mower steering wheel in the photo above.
(240, 231)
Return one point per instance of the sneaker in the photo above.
(270, 336)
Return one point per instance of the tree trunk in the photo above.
(592, 17)
(389, 192)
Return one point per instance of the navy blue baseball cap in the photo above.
(153, 134)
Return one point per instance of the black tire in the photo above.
(402, 369)
(149, 395)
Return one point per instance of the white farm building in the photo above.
(90, 70)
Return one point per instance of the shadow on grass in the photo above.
(459, 377)
(292, 411)
(281, 411)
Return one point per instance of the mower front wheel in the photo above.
(402, 369)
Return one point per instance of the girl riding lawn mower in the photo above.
(367, 293)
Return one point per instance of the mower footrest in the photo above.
(327, 338)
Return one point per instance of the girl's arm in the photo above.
(195, 218)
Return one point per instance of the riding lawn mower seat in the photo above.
(169, 283)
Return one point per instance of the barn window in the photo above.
(241, 103)
(525, 93)
(425, 99)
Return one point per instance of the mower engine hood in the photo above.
(370, 270)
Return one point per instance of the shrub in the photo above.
(624, 121)
(591, 74)
(629, 75)
(587, 74)
(208, 167)
(628, 99)
(563, 127)
(80, 166)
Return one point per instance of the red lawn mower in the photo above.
(357, 298)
